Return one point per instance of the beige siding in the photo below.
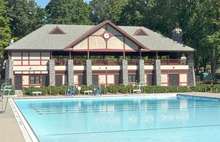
(96, 42)
(164, 80)
(76, 82)
(110, 79)
(102, 79)
(183, 79)
(115, 43)
(100, 31)
(25, 80)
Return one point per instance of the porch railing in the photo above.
(172, 62)
(60, 62)
(63, 62)
(79, 62)
(106, 62)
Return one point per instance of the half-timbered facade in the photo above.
(103, 54)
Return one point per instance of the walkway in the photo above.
(9, 129)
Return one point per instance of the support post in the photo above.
(141, 71)
(191, 71)
(70, 73)
(9, 76)
(88, 72)
(125, 72)
(157, 72)
(52, 72)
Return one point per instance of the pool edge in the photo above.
(27, 132)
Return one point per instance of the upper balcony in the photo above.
(114, 62)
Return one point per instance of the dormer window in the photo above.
(140, 32)
(56, 30)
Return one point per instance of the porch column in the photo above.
(88, 72)
(52, 72)
(125, 72)
(70, 73)
(157, 72)
(141, 71)
(191, 71)
(9, 76)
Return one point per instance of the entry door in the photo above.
(173, 80)
(18, 82)
(95, 80)
(150, 80)
(59, 80)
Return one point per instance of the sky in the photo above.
(43, 3)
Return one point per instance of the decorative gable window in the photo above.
(56, 30)
(140, 32)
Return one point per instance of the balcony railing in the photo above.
(79, 62)
(172, 62)
(106, 62)
(60, 62)
(149, 62)
(63, 62)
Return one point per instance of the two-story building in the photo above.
(101, 54)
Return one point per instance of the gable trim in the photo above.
(96, 28)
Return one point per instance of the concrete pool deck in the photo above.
(10, 131)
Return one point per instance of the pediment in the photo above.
(106, 37)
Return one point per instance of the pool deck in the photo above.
(202, 94)
(10, 131)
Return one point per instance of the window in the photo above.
(35, 79)
(45, 80)
(132, 78)
(117, 79)
(95, 80)
(173, 80)
(150, 79)
(81, 79)
(59, 80)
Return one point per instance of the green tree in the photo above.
(107, 10)
(4, 28)
(68, 12)
(25, 16)
(194, 17)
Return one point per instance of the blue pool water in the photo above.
(128, 119)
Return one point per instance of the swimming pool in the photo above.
(123, 119)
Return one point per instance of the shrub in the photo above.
(112, 89)
(28, 91)
(124, 89)
(84, 88)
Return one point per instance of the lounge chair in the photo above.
(71, 91)
(97, 91)
(137, 89)
(1, 101)
(88, 92)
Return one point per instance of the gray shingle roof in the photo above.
(42, 40)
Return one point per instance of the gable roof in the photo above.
(41, 39)
(96, 28)
(140, 32)
(56, 30)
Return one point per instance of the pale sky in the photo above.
(43, 3)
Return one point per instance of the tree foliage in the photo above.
(25, 16)
(199, 19)
(195, 17)
(107, 10)
(5, 34)
(68, 12)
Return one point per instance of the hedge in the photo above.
(123, 89)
